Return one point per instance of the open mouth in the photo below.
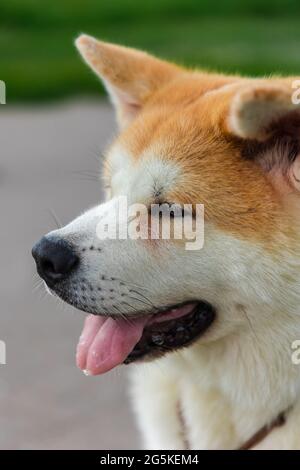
(106, 342)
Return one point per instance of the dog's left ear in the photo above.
(267, 120)
(130, 76)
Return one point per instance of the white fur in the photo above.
(228, 389)
(239, 376)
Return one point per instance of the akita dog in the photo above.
(212, 330)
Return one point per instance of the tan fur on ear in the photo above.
(130, 76)
(265, 112)
(256, 108)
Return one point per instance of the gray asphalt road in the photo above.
(46, 157)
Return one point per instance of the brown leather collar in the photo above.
(258, 437)
(263, 432)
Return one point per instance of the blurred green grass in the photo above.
(38, 59)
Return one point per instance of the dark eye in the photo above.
(171, 210)
(175, 210)
(178, 212)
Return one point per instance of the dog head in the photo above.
(186, 137)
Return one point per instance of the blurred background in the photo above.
(53, 129)
(39, 62)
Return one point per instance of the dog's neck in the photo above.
(251, 371)
(240, 376)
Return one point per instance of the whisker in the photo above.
(55, 218)
(123, 315)
(87, 175)
(131, 307)
(250, 324)
(96, 153)
(129, 284)
(140, 300)
(143, 296)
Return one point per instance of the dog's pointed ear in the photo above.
(267, 119)
(130, 76)
(257, 110)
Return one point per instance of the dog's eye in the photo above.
(178, 212)
(171, 210)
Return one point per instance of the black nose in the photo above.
(54, 259)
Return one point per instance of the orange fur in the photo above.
(199, 121)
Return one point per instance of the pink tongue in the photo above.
(105, 342)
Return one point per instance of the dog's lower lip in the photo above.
(167, 335)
